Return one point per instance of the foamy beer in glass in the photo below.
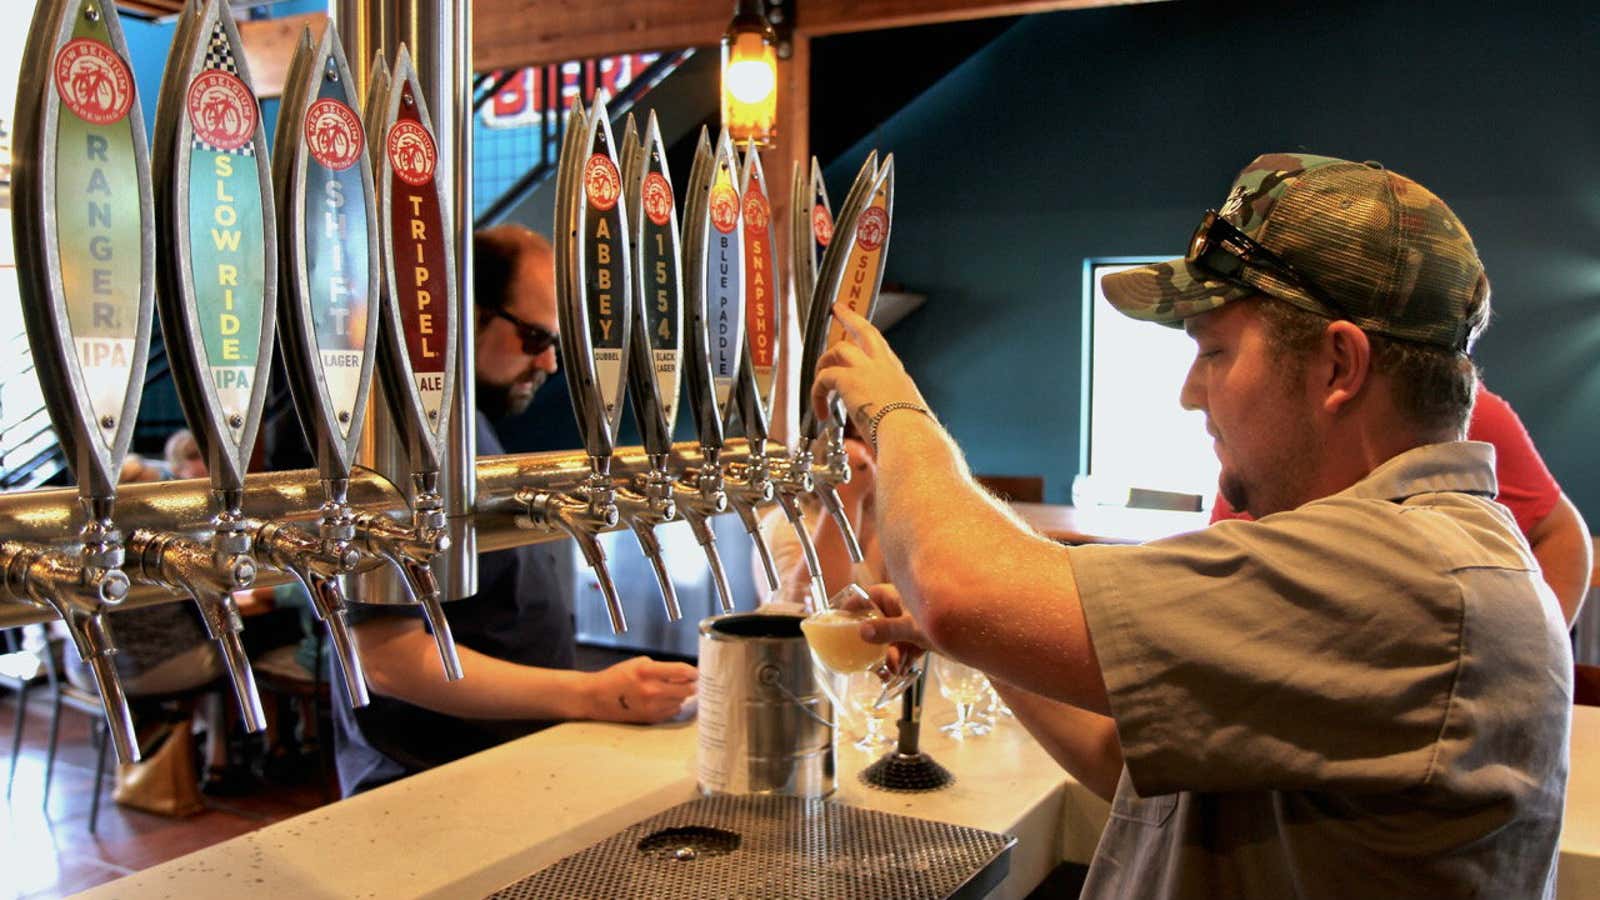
(835, 639)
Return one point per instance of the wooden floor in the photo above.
(47, 850)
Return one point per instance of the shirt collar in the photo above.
(1464, 466)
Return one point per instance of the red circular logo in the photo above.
(412, 153)
(657, 197)
(333, 134)
(222, 111)
(93, 81)
(755, 210)
(872, 228)
(724, 208)
(601, 183)
(822, 224)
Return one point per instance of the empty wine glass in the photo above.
(995, 707)
(863, 689)
(965, 687)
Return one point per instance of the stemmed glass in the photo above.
(863, 690)
(966, 687)
(995, 707)
(834, 636)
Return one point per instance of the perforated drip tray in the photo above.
(766, 848)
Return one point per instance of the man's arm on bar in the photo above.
(986, 589)
(401, 661)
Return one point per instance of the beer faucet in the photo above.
(715, 291)
(751, 484)
(592, 292)
(328, 270)
(655, 350)
(851, 273)
(87, 300)
(217, 303)
(417, 343)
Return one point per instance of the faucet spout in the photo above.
(582, 515)
(81, 595)
(411, 551)
(808, 550)
(317, 564)
(643, 506)
(209, 575)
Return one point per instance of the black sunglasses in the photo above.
(536, 339)
(1221, 248)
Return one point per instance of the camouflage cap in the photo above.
(1380, 245)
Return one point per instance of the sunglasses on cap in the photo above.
(1222, 249)
(536, 339)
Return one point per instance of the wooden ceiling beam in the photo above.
(512, 33)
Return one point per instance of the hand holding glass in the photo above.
(837, 647)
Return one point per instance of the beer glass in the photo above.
(834, 636)
(966, 687)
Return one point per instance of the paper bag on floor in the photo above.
(166, 782)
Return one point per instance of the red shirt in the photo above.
(1526, 486)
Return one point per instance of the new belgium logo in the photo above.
(221, 110)
(821, 224)
(755, 210)
(93, 81)
(412, 153)
(601, 183)
(657, 198)
(333, 134)
(873, 228)
(724, 208)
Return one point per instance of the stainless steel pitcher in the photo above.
(765, 723)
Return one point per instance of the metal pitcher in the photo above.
(765, 724)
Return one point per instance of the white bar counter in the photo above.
(468, 828)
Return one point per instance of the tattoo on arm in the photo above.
(622, 701)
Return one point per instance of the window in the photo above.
(1135, 435)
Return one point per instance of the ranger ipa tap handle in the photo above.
(83, 226)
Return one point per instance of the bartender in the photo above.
(1364, 693)
(515, 636)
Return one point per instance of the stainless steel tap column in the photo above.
(85, 236)
(438, 35)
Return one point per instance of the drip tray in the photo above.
(766, 848)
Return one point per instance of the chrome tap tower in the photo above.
(346, 249)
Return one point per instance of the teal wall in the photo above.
(1108, 132)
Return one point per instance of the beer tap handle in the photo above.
(651, 546)
(701, 527)
(819, 588)
(747, 515)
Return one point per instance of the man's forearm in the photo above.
(1082, 742)
(402, 662)
(986, 589)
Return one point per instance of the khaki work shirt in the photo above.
(1368, 696)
